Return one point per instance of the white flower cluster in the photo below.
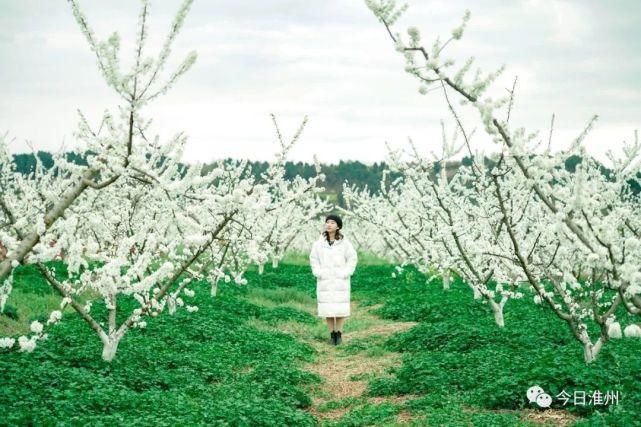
(7, 342)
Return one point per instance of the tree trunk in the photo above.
(110, 346)
(112, 314)
(590, 351)
(274, 262)
(446, 281)
(110, 341)
(214, 287)
(171, 304)
(498, 313)
(261, 268)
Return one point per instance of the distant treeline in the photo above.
(26, 163)
(354, 172)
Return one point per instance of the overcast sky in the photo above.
(330, 60)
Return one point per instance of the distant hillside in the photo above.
(354, 172)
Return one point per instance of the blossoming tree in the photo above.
(154, 226)
(576, 239)
(438, 224)
(31, 206)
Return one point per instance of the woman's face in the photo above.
(331, 226)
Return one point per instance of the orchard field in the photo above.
(256, 354)
(137, 288)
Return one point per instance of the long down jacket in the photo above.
(333, 265)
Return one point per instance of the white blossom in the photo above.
(632, 331)
(26, 344)
(36, 327)
(54, 317)
(7, 342)
(614, 330)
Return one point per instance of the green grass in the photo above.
(458, 355)
(302, 258)
(343, 403)
(233, 362)
(209, 367)
(371, 343)
(29, 307)
(369, 414)
(32, 298)
(278, 297)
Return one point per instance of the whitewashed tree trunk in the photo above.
(497, 309)
(214, 287)
(112, 307)
(275, 262)
(446, 280)
(110, 346)
(261, 268)
(590, 351)
(171, 304)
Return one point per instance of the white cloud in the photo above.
(570, 22)
(329, 59)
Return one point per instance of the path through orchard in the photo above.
(345, 370)
(259, 355)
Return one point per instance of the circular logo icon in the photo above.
(533, 392)
(544, 400)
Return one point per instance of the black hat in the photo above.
(336, 218)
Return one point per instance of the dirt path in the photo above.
(346, 374)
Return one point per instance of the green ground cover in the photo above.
(235, 362)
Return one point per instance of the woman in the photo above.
(333, 260)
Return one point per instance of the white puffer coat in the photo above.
(333, 265)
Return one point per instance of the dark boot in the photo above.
(338, 338)
(332, 340)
